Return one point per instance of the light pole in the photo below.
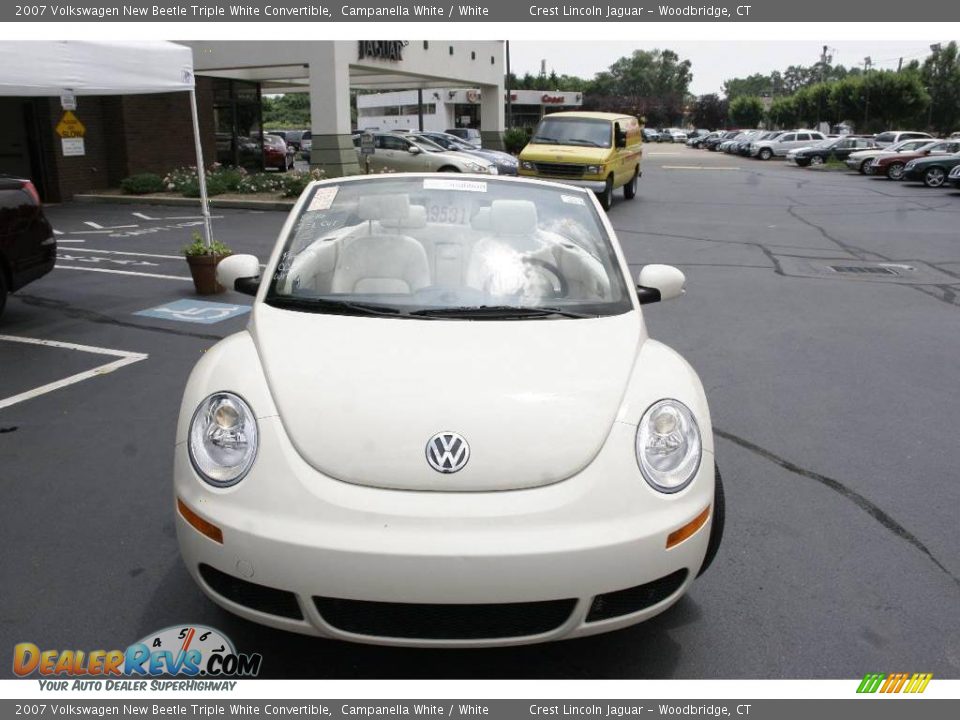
(935, 49)
(867, 64)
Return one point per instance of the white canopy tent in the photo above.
(58, 67)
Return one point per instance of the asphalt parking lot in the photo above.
(834, 393)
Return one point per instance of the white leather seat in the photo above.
(497, 263)
(382, 262)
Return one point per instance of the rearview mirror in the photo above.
(240, 273)
(659, 282)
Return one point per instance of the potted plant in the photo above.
(203, 260)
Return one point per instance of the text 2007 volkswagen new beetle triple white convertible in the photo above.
(445, 424)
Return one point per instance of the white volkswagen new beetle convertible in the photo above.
(445, 424)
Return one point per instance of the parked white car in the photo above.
(892, 137)
(674, 135)
(781, 145)
(446, 424)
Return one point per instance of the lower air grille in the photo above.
(444, 621)
(567, 170)
(631, 600)
(256, 597)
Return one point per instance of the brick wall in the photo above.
(126, 135)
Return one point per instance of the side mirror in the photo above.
(414, 150)
(240, 273)
(659, 282)
(621, 140)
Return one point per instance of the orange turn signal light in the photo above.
(678, 536)
(204, 527)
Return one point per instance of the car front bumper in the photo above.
(372, 552)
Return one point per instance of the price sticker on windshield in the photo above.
(461, 185)
(323, 198)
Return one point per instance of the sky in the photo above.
(713, 61)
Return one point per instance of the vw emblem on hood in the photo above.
(447, 452)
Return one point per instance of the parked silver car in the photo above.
(780, 146)
(412, 153)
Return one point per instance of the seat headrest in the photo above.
(416, 219)
(384, 207)
(513, 217)
(481, 221)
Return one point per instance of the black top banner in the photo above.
(644, 11)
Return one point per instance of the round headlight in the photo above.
(223, 439)
(527, 165)
(593, 170)
(668, 446)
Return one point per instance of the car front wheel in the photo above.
(865, 167)
(934, 177)
(895, 171)
(766, 154)
(719, 518)
(630, 189)
(606, 197)
(816, 160)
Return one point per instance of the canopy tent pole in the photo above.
(201, 172)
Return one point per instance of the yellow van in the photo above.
(596, 150)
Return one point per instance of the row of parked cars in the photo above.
(898, 155)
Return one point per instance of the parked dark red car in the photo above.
(892, 165)
(275, 153)
(28, 249)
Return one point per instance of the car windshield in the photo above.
(574, 131)
(425, 143)
(457, 248)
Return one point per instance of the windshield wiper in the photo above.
(325, 305)
(498, 312)
(585, 141)
(545, 139)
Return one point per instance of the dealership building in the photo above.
(449, 107)
(128, 134)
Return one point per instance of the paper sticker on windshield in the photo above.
(462, 185)
(323, 198)
(573, 199)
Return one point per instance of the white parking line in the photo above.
(696, 167)
(123, 272)
(142, 216)
(97, 226)
(124, 358)
(69, 240)
(123, 252)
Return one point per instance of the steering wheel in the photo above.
(564, 286)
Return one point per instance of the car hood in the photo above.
(942, 160)
(360, 397)
(898, 156)
(539, 152)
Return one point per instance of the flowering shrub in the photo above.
(261, 183)
(221, 179)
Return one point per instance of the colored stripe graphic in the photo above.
(894, 683)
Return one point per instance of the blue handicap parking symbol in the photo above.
(195, 311)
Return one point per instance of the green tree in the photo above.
(709, 111)
(652, 84)
(755, 85)
(941, 77)
(783, 113)
(746, 111)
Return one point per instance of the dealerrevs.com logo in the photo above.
(888, 683)
(192, 651)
